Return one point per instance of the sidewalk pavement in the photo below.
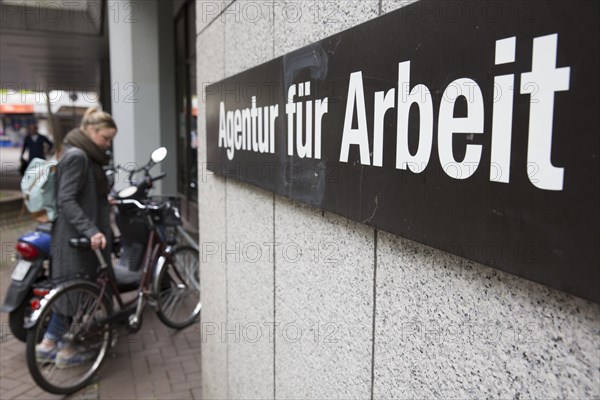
(155, 363)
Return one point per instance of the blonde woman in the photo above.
(83, 210)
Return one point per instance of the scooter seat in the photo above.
(126, 280)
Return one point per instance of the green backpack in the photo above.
(38, 187)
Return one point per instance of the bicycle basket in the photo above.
(169, 214)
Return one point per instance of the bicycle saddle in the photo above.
(126, 280)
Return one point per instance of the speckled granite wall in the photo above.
(324, 304)
(211, 219)
(249, 225)
(447, 327)
(298, 303)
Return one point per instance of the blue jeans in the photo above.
(58, 326)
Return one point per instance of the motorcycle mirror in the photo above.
(158, 155)
(127, 192)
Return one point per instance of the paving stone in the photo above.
(196, 394)
(191, 366)
(9, 384)
(187, 385)
(145, 394)
(186, 394)
(162, 386)
(176, 375)
(196, 377)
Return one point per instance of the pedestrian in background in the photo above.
(37, 144)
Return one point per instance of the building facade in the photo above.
(152, 91)
(302, 303)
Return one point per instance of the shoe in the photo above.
(75, 359)
(45, 354)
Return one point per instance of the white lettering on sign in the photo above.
(502, 115)
(360, 135)
(541, 84)
(250, 129)
(548, 79)
(304, 142)
(253, 129)
(421, 97)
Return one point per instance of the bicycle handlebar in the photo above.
(138, 204)
(159, 176)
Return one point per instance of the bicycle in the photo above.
(169, 281)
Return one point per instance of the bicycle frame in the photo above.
(156, 253)
(153, 262)
(84, 313)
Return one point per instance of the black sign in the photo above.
(468, 126)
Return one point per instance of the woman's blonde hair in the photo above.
(98, 118)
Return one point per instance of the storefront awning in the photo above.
(16, 109)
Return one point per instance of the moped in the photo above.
(32, 270)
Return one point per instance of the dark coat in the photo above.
(36, 149)
(81, 212)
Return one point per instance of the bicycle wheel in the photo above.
(78, 309)
(178, 288)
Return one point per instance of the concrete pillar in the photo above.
(136, 80)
